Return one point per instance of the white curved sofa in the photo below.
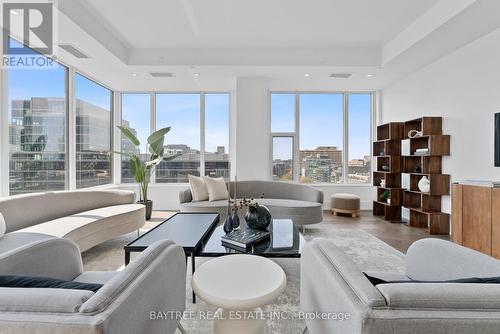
(87, 217)
(303, 204)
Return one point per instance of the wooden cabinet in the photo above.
(476, 218)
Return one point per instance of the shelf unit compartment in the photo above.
(421, 201)
(395, 195)
(412, 200)
(428, 164)
(387, 147)
(392, 180)
(439, 183)
(389, 164)
(394, 130)
(378, 209)
(437, 144)
(435, 222)
(428, 126)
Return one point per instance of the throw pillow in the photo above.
(198, 188)
(3, 227)
(11, 281)
(479, 280)
(217, 189)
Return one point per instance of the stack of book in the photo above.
(422, 151)
(241, 240)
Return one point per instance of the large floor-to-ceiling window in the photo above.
(38, 113)
(198, 142)
(321, 138)
(135, 116)
(216, 135)
(93, 133)
(180, 112)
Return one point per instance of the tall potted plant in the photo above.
(142, 169)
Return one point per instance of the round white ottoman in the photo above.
(235, 284)
(345, 203)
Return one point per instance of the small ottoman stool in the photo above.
(345, 203)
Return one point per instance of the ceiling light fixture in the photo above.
(340, 75)
(197, 74)
(369, 75)
(307, 75)
(134, 74)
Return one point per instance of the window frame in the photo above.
(112, 123)
(296, 135)
(153, 122)
(70, 131)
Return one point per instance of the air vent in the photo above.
(74, 51)
(162, 74)
(341, 75)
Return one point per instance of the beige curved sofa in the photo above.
(87, 217)
(303, 204)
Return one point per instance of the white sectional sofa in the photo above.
(87, 218)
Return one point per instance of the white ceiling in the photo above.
(279, 39)
(256, 23)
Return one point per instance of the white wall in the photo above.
(252, 129)
(463, 88)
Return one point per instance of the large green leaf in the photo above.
(157, 146)
(157, 135)
(137, 169)
(127, 133)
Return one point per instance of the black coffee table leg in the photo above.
(193, 266)
(127, 257)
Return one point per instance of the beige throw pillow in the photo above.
(198, 188)
(3, 227)
(217, 189)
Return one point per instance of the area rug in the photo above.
(368, 252)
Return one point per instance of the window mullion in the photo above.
(296, 144)
(202, 134)
(152, 125)
(345, 157)
(4, 133)
(71, 140)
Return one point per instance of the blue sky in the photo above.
(321, 122)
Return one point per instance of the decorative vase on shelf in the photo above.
(424, 184)
(382, 183)
(258, 217)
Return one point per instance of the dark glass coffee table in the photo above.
(285, 241)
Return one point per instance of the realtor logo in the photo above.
(28, 34)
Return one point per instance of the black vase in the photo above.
(235, 220)
(228, 224)
(258, 217)
(149, 208)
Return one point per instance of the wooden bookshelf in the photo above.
(388, 167)
(425, 208)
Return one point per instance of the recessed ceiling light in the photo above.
(369, 75)
(134, 74)
(197, 74)
(307, 75)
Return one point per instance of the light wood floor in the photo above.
(398, 236)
